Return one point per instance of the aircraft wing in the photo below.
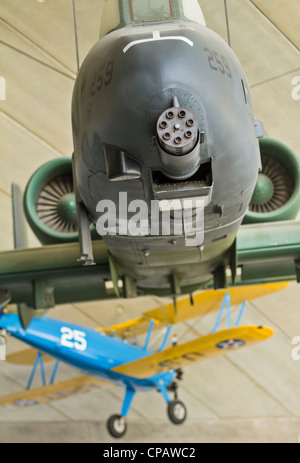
(56, 391)
(40, 278)
(203, 303)
(266, 253)
(26, 357)
(209, 346)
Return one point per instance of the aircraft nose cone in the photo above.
(67, 208)
(263, 189)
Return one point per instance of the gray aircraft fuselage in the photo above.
(130, 79)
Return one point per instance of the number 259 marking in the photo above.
(73, 339)
(217, 62)
(102, 78)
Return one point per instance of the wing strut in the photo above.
(149, 334)
(165, 338)
(39, 360)
(226, 303)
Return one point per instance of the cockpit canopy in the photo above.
(150, 11)
(117, 14)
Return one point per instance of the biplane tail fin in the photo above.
(202, 348)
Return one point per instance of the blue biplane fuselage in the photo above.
(90, 351)
(115, 360)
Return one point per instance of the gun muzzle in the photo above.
(179, 142)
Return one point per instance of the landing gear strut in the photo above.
(176, 409)
(116, 424)
(174, 385)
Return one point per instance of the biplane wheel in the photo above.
(116, 425)
(176, 411)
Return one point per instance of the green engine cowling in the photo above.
(277, 192)
(49, 203)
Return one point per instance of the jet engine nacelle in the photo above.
(277, 193)
(49, 203)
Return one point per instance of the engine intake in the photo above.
(276, 195)
(49, 203)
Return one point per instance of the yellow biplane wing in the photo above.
(26, 357)
(203, 303)
(190, 352)
(53, 392)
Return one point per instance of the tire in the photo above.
(177, 412)
(116, 426)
